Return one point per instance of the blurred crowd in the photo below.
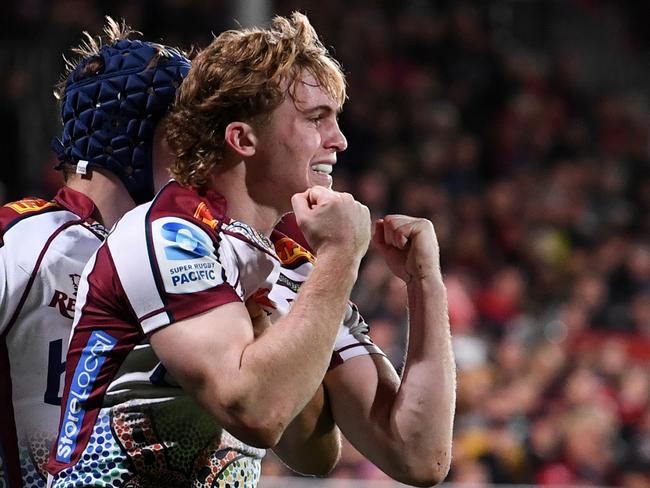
(537, 180)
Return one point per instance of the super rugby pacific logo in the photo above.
(187, 243)
(90, 363)
(186, 256)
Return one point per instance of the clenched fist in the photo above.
(409, 246)
(333, 222)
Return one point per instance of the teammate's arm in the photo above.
(255, 387)
(404, 425)
(311, 443)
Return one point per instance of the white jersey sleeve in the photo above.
(168, 270)
(353, 339)
(297, 263)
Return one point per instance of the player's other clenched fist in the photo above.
(409, 246)
(333, 222)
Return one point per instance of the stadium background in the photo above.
(520, 128)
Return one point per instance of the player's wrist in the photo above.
(429, 279)
(339, 261)
(340, 256)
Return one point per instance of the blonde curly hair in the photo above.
(241, 75)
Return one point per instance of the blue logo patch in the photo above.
(186, 257)
(90, 363)
(187, 242)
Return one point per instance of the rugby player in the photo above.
(171, 379)
(166, 381)
(112, 103)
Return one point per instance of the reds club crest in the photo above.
(64, 302)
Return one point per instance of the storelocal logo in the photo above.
(90, 363)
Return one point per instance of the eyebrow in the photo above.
(321, 108)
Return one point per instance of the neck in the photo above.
(232, 184)
(107, 193)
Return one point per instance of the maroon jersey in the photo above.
(124, 420)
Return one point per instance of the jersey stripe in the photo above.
(82, 290)
(135, 273)
(95, 355)
(34, 274)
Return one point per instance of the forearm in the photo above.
(311, 443)
(423, 411)
(403, 426)
(282, 369)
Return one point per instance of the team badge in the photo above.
(291, 253)
(203, 214)
(29, 205)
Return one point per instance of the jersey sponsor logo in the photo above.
(29, 205)
(97, 228)
(290, 252)
(92, 358)
(185, 255)
(284, 280)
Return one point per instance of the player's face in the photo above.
(300, 141)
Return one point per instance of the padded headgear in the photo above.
(109, 118)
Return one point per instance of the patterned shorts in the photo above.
(136, 446)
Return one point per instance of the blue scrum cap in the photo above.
(109, 117)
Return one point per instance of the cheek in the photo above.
(309, 136)
(312, 141)
(301, 143)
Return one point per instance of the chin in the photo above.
(323, 183)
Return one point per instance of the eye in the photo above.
(316, 120)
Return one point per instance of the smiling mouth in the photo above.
(325, 169)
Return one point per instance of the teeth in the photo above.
(323, 168)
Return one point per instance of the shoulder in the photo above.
(31, 225)
(15, 212)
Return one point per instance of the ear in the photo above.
(241, 138)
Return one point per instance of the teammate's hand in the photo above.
(259, 319)
(333, 221)
(409, 246)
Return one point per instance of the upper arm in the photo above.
(361, 393)
(203, 353)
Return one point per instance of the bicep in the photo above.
(204, 348)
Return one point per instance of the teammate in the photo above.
(111, 105)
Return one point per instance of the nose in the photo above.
(336, 139)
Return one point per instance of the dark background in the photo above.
(520, 128)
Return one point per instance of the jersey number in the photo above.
(55, 369)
